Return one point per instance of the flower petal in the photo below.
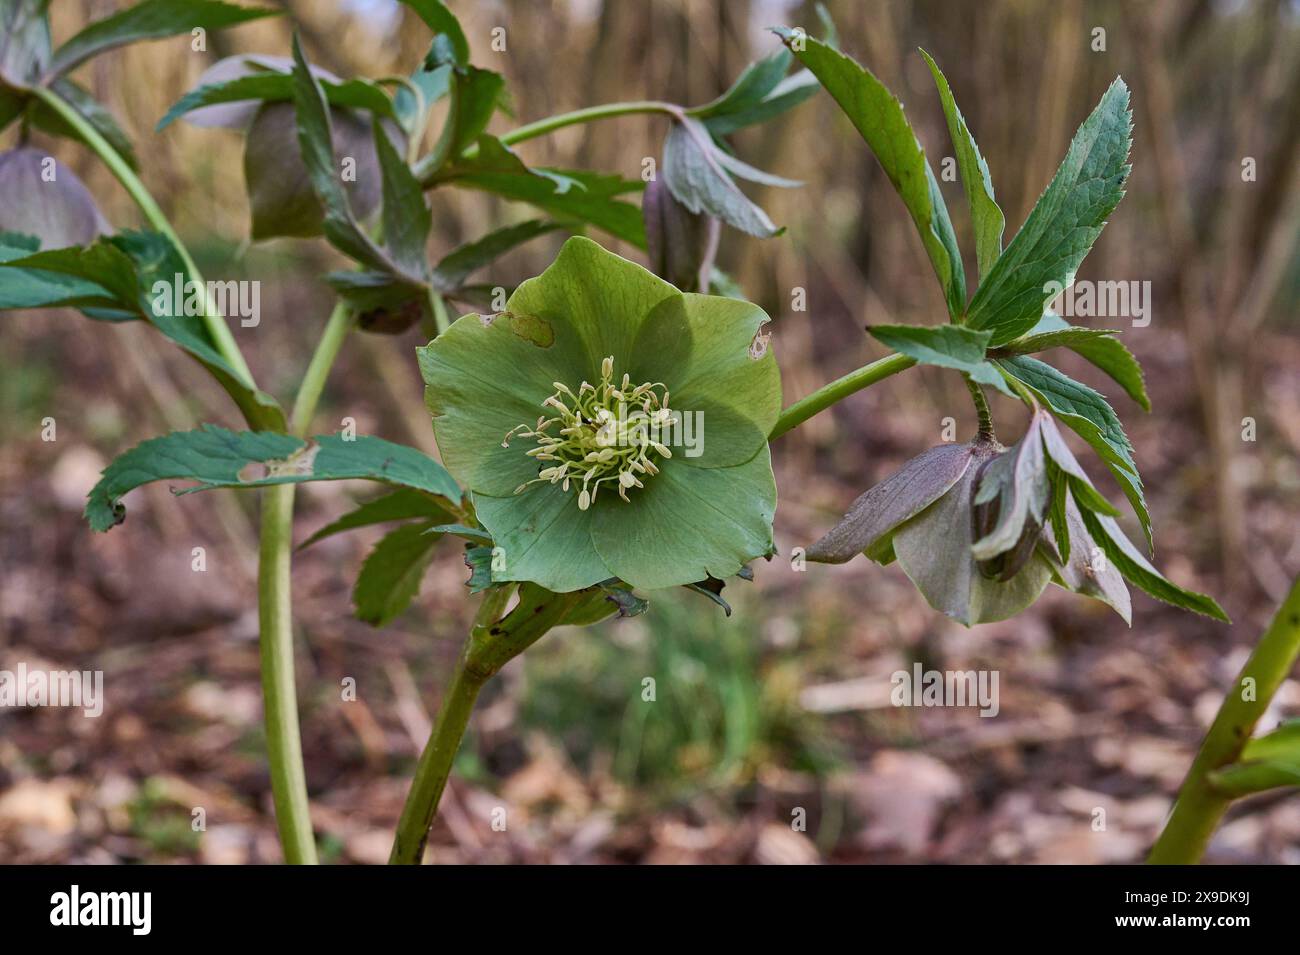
(487, 374)
(934, 549)
(1019, 478)
(709, 351)
(688, 523)
(600, 295)
(540, 535)
(1087, 570)
(903, 495)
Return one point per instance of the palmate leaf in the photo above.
(948, 346)
(1099, 346)
(878, 116)
(216, 457)
(150, 20)
(390, 577)
(1090, 415)
(1063, 225)
(986, 215)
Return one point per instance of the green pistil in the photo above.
(601, 434)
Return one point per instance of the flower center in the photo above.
(602, 434)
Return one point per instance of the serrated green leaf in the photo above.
(150, 20)
(878, 116)
(1056, 512)
(1139, 572)
(789, 93)
(407, 219)
(1044, 255)
(1098, 346)
(391, 575)
(567, 195)
(699, 175)
(451, 272)
(315, 141)
(947, 346)
(37, 288)
(127, 265)
(1090, 415)
(751, 87)
(216, 457)
(272, 87)
(986, 215)
(402, 504)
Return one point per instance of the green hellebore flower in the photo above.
(608, 425)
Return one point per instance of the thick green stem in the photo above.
(490, 646)
(838, 390)
(279, 694)
(1200, 804)
(222, 339)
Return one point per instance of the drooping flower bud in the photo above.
(40, 196)
(681, 244)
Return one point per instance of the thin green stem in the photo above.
(491, 644)
(279, 693)
(981, 407)
(441, 320)
(222, 339)
(838, 390)
(1200, 804)
(590, 114)
(426, 170)
(322, 360)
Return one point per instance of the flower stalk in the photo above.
(491, 644)
(1202, 801)
(838, 390)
